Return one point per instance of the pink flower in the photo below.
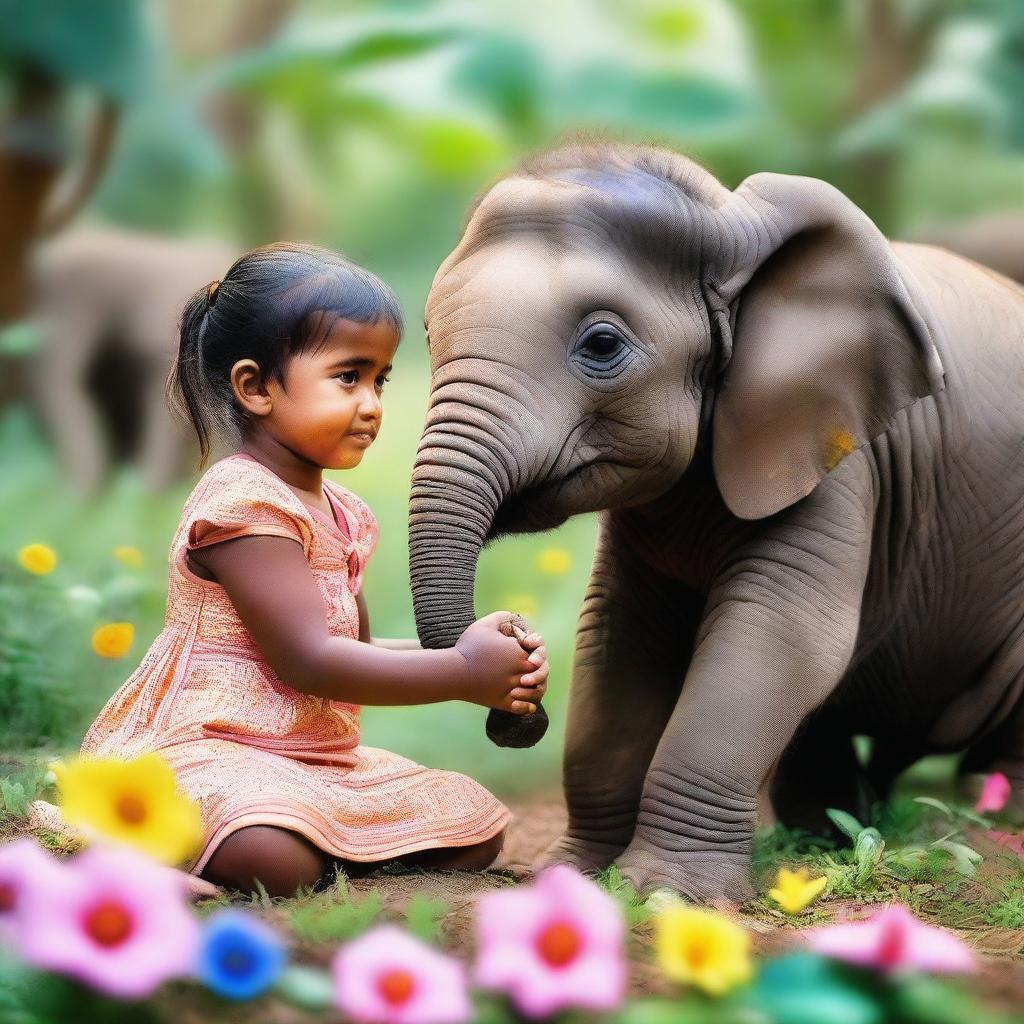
(111, 919)
(388, 977)
(22, 864)
(892, 940)
(554, 945)
(994, 793)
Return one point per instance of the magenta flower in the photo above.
(994, 793)
(893, 940)
(388, 977)
(22, 864)
(110, 918)
(552, 946)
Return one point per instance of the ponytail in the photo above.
(187, 384)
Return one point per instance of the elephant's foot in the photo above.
(705, 878)
(582, 854)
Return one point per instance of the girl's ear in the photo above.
(250, 390)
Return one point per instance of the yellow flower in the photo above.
(38, 559)
(127, 555)
(134, 802)
(795, 890)
(702, 948)
(523, 604)
(554, 561)
(113, 639)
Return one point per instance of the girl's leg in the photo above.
(280, 859)
(454, 858)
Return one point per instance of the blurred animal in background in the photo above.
(994, 239)
(105, 304)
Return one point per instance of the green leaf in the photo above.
(965, 858)
(13, 796)
(306, 987)
(930, 801)
(867, 853)
(846, 823)
(803, 988)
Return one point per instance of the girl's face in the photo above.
(328, 408)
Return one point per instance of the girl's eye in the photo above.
(348, 376)
(381, 381)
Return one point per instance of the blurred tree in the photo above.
(47, 48)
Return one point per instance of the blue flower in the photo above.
(240, 957)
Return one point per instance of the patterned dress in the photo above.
(247, 746)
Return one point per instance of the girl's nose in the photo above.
(370, 407)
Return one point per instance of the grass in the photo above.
(1008, 911)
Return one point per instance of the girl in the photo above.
(252, 690)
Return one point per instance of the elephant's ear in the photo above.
(826, 346)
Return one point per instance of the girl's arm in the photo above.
(270, 584)
(387, 644)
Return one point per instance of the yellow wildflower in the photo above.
(554, 561)
(795, 890)
(127, 555)
(702, 948)
(113, 639)
(38, 559)
(134, 802)
(523, 604)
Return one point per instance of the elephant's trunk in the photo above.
(453, 503)
(457, 487)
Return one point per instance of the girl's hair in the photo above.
(275, 302)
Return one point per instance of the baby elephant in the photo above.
(807, 447)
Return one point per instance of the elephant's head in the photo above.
(609, 307)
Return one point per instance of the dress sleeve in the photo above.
(245, 504)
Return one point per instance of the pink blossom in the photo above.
(112, 919)
(388, 977)
(994, 793)
(22, 864)
(552, 946)
(892, 940)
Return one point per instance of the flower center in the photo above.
(236, 962)
(559, 944)
(130, 808)
(696, 955)
(7, 897)
(891, 945)
(396, 987)
(108, 924)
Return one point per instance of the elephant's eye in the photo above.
(601, 347)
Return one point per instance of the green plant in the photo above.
(335, 915)
(1008, 912)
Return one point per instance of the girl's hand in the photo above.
(538, 677)
(496, 665)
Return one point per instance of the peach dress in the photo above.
(247, 746)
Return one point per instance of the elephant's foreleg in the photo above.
(57, 389)
(777, 636)
(634, 640)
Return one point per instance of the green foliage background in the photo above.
(375, 125)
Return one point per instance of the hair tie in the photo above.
(211, 292)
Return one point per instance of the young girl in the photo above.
(252, 690)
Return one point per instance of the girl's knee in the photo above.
(279, 859)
